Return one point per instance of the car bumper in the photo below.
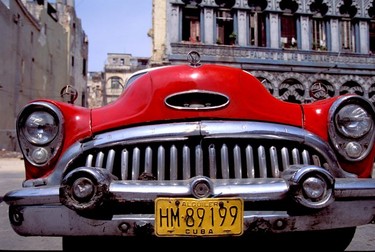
(51, 210)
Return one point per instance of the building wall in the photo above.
(290, 71)
(159, 32)
(33, 59)
(77, 57)
(95, 89)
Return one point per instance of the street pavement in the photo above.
(11, 176)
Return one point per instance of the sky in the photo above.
(115, 26)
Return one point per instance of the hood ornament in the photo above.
(194, 58)
(69, 94)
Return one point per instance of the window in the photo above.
(372, 36)
(191, 25)
(257, 21)
(288, 31)
(224, 26)
(116, 83)
(348, 10)
(288, 23)
(257, 29)
(347, 35)
(319, 37)
(84, 64)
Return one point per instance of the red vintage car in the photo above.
(196, 153)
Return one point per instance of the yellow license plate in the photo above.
(198, 217)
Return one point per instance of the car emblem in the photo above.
(194, 58)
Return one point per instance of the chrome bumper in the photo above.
(54, 211)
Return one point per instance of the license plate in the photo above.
(198, 217)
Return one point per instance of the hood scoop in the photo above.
(197, 100)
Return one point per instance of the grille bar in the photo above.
(161, 163)
(218, 160)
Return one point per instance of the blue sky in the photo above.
(115, 26)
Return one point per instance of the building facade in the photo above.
(301, 50)
(105, 87)
(43, 48)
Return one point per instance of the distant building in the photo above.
(118, 68)
(43, 48)
(95, 89)
(301, 50)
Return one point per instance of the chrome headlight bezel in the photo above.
(40, 127)
(351, 127)
(353, 121)
(40, 132)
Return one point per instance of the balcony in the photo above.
(283, 59)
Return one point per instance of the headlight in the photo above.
(40, 128)
(40, 132)
(351, 127)
(353, 121)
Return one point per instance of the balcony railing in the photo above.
(233, 54)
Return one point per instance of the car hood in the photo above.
(184, 92)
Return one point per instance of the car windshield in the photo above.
(133, 78)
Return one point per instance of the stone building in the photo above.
(94, 92)
(301, 50)
(105, 87)
(43, 48)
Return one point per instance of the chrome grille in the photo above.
(215, 158)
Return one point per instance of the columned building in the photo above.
(301, 50)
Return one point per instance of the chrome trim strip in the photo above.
(65, 222)
(248, 189)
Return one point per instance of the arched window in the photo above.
(116, 83)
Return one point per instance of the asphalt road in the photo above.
(11, 176)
